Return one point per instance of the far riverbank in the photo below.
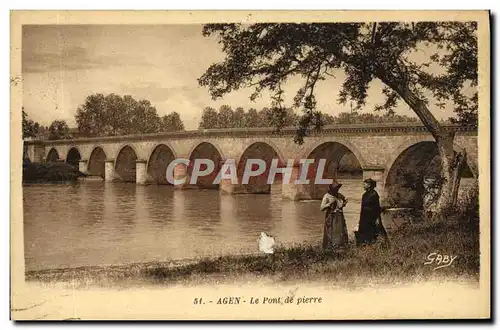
(50, 172)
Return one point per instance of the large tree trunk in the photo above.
(451, 163)
(451, 167)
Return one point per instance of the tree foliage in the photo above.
(239, 118)
(172, 122)
(116, 115)
(272, 118)
(225, 117)
(208, 118)
(366, 118)
(59, 130)
(30, 128)
(265, 56)
(252, 118)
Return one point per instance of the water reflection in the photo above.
(109, 200)
(96, 223)
(253, 214)
(141, 205)
(92, 203)
(228, 214)
(288, 223)
(179, 203)
(160, 204)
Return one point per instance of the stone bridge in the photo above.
(379, 151)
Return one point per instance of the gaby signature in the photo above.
(440, 260)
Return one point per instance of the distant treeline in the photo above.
(108, 115)
(112, 114)
(226, 117)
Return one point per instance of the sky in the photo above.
(63, 64)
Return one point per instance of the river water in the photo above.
(97, 223)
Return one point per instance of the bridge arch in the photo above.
(264, 151)
(52, 155)
(350, 147)
(414, 166)
(73, 157)
(125, 163)
(97, 162)
(158, 161)
(206, 150)
(341, 161)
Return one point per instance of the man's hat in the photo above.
(371, 182)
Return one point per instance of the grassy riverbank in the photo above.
(402, 261)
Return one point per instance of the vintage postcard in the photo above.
(265, 165)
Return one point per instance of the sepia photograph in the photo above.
(264, 165)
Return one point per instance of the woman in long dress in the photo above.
(335, 231)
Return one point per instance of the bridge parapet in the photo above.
(358, 129)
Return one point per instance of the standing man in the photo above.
(370, 223)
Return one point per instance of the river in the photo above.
(97, 223)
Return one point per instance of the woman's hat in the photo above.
(371, 182)
(334, 186)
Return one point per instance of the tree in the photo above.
(290, 117)
(265, 117)
(59, 130)
(252, 118)
(91, 116)
(144, 118)
(208, 118)
(327, 119)
(225, 117)
(30, 128)
(172, 122)
(277, 117)
(116, 115)
(264, 56)
(239, 117)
